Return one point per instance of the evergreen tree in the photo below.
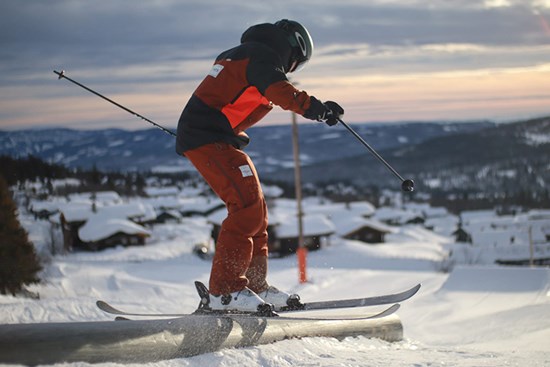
(19, 264)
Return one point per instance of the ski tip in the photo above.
(100, 303)
(411, 292)
(388, 311)
(394, 307)
(105, 307)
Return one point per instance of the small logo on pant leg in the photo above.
(246, 170)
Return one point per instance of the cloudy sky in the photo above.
(382, 60)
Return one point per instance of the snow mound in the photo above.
(498, 279)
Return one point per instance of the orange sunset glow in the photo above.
(397, 61)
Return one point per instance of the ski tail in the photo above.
(204, 295)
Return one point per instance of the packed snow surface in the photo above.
(471, 316)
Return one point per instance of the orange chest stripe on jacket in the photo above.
(239, 110)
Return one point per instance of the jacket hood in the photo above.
(273, 37)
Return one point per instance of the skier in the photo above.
(241, 88)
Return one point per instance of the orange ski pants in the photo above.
(240, 259)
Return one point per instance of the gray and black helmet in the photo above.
(300, 42)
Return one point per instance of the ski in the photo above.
(351, 303)
(122, 315)
(295, 306)
(294, 303)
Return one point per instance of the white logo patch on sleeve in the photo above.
(246, 170)
(216, 69)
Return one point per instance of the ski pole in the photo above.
(62, 75)
(406, 184)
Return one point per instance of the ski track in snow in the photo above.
(475, 316)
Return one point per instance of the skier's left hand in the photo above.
(328, 112)
(333, 113)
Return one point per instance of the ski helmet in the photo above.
(300, 43)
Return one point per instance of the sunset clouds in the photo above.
(389, 60)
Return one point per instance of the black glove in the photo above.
(328, 112)
(333, 112)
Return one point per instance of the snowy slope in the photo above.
(474, 316)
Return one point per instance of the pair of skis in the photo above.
(284, 313)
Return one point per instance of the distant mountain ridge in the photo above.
(499, 159)
(271, 146)
(457, 164)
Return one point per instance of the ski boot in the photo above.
(244, 301)
(280, 299)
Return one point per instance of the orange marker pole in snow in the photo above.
(301, 251)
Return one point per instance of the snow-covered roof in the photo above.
(445, 225)
(286, 223)
(173, 213)
(76, 211)
(190, 192)
(103, 197)
(200, 204)
(132, 210)
(352, 209)
(62, 182)
(162, 191)
(50, 206)
(387, 214)
(99, 227)
(313, 225)
(474, 215)
(347, 225)
(508, 230)
(416, 207)
(538, 214)
(435, 212)
(415, 233)
(165, 202)
(315, 205)
(500, 237)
